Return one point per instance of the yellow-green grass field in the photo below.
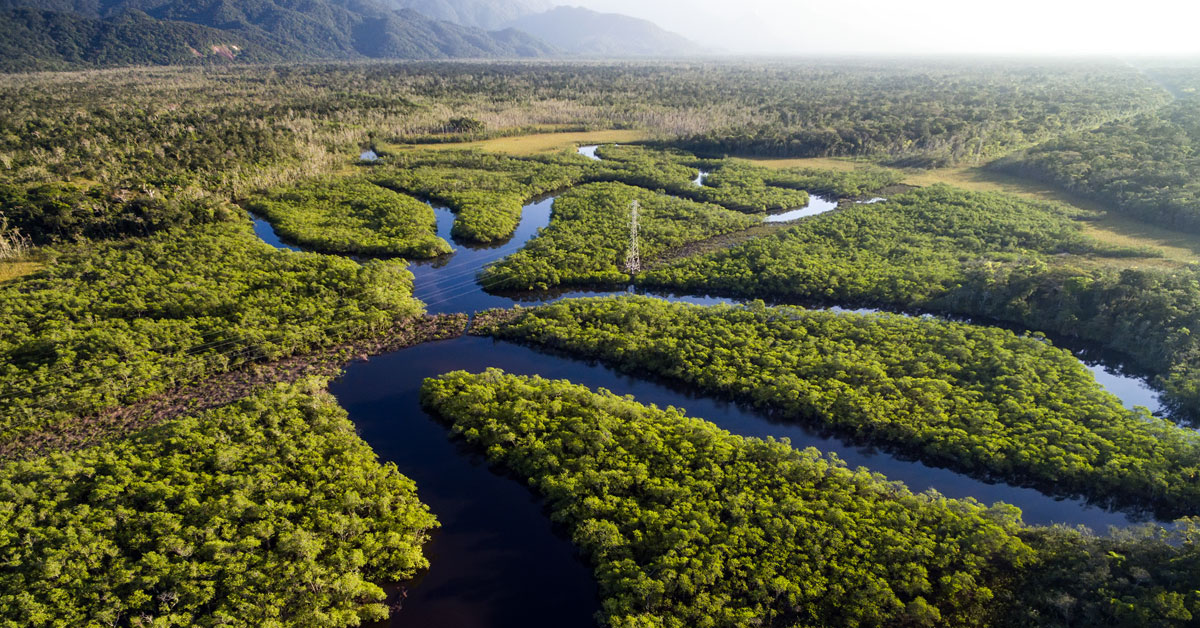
(534, 144)
(11, 270)
(822, 163)
(1177, 248)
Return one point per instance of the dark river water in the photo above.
(497, 562)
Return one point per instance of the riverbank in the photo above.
(492, 526)
(224, 388)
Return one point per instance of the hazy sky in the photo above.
(927, 26)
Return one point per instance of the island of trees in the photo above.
(688, 525)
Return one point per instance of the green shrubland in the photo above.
(687, 525)
(351, 216)
(268, 512)
(111, 323)
(981, 400)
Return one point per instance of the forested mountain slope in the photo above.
(45, 40)
(53, 34)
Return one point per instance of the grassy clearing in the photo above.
(12, 270)
(535, 144)
(824, 163)
(1177, 248)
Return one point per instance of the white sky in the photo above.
(1070, 27)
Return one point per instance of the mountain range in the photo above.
(485, 14)
(60, 34)
(586, 32)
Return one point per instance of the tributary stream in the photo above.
(497, 561)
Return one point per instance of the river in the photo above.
(497, 562)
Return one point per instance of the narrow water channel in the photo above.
(266, 233)
(590, 151)
(497, 562)
(817, 204)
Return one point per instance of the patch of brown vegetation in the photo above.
(226, 388)
(487, 321)
(892, 190)
(757, 231)
(715, 243)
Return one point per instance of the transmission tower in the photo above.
(633, 261)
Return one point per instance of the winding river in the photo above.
(497, 562)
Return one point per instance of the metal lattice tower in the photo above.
(633, 261)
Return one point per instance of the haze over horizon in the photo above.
(806, 27)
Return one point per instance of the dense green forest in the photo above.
(588, 237)
(129, 277)
(351, 216)
(979, 399)
(928, 118)
(1147, 167)
(56, 35)
(69, 212)
(183, 141)
(908, 250)
(108, 324)
(486, 191)
(862, 181)
(735, 185)
(267, 512)
(687, 525)
(979, 254)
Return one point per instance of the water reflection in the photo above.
(497, 561)
(589, 151)
(817, 204)
(266, 233)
